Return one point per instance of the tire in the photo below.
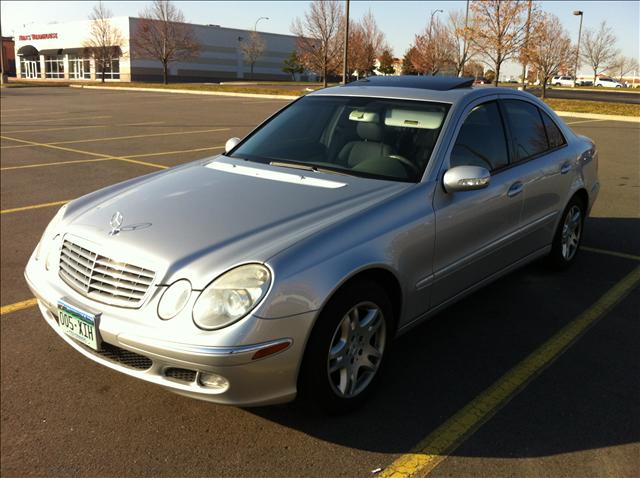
(568, 236)
(335, 392)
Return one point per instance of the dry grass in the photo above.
(596, 107)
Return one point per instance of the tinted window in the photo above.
(553, 132)
(481, 140)
(527, 129)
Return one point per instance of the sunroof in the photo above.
(440, 83)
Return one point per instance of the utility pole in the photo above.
(579, 13)
(526, 44)
(464, 41)
(345, 69)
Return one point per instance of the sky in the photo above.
(399, 20)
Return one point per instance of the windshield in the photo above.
(371, 137)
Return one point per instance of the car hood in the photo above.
(200, 219)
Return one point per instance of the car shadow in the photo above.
(440, 366)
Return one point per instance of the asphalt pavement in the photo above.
(63, 415)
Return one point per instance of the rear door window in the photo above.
(555, 137)
(527, 130)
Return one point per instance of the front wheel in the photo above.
(347, 347)
(568, 235)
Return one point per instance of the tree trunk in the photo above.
(252, 70)
(495, 80)
(543, 95)
(595, 76)
(102, 73)
(165, 73)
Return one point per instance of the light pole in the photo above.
(579, 13)
(433, 12)
(526, 45)
(464, 42)
(345, 69)
(255, 26)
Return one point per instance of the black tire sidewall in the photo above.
(314, 386)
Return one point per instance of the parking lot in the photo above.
(62, 415)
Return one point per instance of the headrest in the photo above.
(370, 131)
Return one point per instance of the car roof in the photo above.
(438, 89)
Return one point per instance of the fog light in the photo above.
(213, 380)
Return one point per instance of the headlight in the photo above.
(231, 296)
(174, 299)
(43, 246)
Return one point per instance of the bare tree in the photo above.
(549, 48)
(497, 31)
(162, 34)
(320, 41)
(253, 48)
(459, 35)
(366, 44)
(434, 49)
(621, 66)
(598, 48)
(104, 39)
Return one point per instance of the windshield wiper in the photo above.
(306, 167)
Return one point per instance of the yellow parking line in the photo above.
(148, 123)
(55, 129)
(433, 449)
(58, 163)
(79, 151)
(611, 253)
(35, 206)
(25, 304)
(586, 121)
(117, 138)
(70, 118)
(16, 109)
(144, 163)
(174, 152)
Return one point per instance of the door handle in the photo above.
(566, 167)
(515, 189)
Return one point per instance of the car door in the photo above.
(546, 169)
(473, 228)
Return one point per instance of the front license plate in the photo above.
(79, 325)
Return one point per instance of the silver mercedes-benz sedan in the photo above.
(285, 266)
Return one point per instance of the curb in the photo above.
(594, 116)
(189, 92)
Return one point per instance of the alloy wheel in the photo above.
(571, 231)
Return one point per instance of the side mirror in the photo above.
(466, 178)
(230, 144)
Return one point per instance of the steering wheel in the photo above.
(406, 162)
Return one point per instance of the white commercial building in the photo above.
(58, 52)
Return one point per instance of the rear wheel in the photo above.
(347, 347)
(568, 236)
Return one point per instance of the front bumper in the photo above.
(156, 356)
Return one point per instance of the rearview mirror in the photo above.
(466, 178)
(230, 144)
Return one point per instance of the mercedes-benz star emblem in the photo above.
(115, 223)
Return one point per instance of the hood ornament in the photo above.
(115, 223)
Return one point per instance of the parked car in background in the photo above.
(608, 82)
(561, 81)
(288, 264)
(481, 81)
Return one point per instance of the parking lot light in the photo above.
(579, 13)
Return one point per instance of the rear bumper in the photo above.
(179, 365)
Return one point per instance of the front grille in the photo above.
(124, 357)
(101, 278)
(182, 374)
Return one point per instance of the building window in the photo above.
(111, 70)
(79, 68)
(54, 66)
(30, 67)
